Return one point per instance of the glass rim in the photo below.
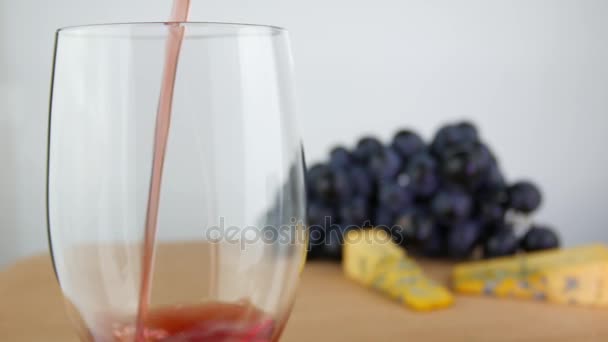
(164, 23)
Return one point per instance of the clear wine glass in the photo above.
(230, 239)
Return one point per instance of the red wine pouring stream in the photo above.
(176, 30)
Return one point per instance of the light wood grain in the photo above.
(328, 308)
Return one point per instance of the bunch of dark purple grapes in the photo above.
(443, 199)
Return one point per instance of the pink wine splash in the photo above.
(179, 14)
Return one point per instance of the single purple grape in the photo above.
(493, 178)
(451, 206)
(340, 157)
(394, 197)
(422, 175)
(366, 148)
(467, 165)
(524, 196)
(385, 165)
(462, 238)
(468, 131)
(362, 182)
(342, 184)
(453, 134)
(412, 227)
(539, 238)
(502, 243)
(320, 182)
(491, 205)
(407, 144)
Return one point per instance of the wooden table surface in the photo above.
(328, 308)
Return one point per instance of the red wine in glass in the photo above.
(211, 322)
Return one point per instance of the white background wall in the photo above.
(532, 74)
